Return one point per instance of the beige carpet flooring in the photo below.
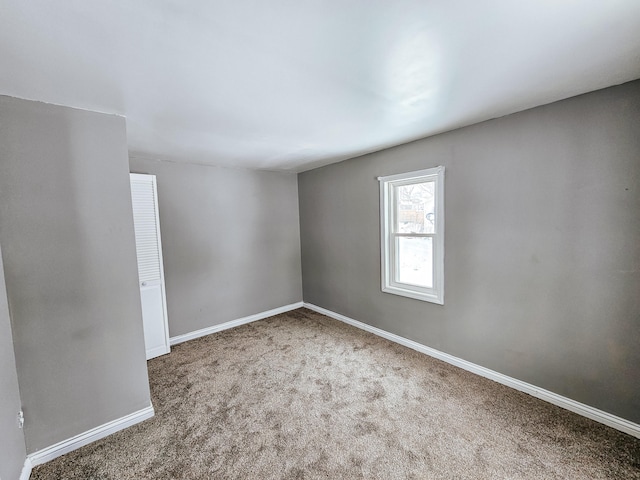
(302, 396)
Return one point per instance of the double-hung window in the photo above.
(412, 234)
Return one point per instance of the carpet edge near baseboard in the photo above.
(588, 411)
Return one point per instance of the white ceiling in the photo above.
(292, 84)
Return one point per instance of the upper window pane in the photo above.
(415, 208)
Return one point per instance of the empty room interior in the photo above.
(300, 240)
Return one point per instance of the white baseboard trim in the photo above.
(233, 323)
(580, 408)
(157, 351)
(26, 469)
(73, 443)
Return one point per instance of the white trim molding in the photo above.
(391, 235)
(26, 469)
(73, 443)
(580, 408)
(157, 351)
(233, 323)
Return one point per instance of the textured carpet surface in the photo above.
(300, 395)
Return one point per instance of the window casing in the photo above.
(412, 234)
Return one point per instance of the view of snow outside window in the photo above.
(415, 214)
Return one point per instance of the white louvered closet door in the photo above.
(150, 269)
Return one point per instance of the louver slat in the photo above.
(144, 218)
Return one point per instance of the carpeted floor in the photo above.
(300, 395)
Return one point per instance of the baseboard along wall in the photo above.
(580, 408)
(233, 323)
(73, 443)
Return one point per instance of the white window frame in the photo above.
(388, 211)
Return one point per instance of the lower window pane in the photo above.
(415, 261)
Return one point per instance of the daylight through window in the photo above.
(412, 224)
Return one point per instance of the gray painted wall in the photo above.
(12, 452)
(542, 267)
(66, 230)
(230, 241)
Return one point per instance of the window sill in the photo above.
(425, 297)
